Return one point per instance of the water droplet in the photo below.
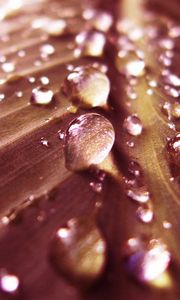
(41, 96)
(135, 68)
(149, 92)
(61, 135)
(89, 140)
(101, 20)
(166, 43)
(92, 43)
(8, 67)
(55, 27)
(44, 80)
(44, 142)
(2, 97)
(96, 186)
(31, 79)
(173, 148)
(139, 194)
(21, 53)
(144, 214)
(172, 110)
(133, 125)
(172, 79)
(134, 168)
(5, 220)
(148, 264)
(171, 91)
(9, 283)
(46, 50)
(79, 251)
(88, 86)
(19, 94)
(167, 225)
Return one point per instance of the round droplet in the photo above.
(41, 96)
(9, 283)
(8, 67)
(173, 148)
(79, 251)
(133, 125)
(92, 43)
(88, 141)
(96, 186)
(148, 264)
(135, 68)
(145, 215)
(88, 86)
(46, 50)
(139, 194)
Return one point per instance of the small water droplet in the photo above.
(171, 91)
(144, 214)
(9, 283)
(96, 186)
(88, 86)
(133, 125)
(19, 94)
(46, 50)
(44, 142)
(139, 194)
(61, 134)
(89, 140)
(100, 20)
(92, 43)
(2, 97)
(149, 92)
(135, 68)
(31, 79)
(172, 110)
(55, 27)
(44, 80)
(173, 148)
(79, 251)
(8, 67)
(167, 225)
(41, 96)
(21, 53)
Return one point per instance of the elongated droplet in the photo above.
(88, 141)
(79, 251)
(139, 194)
(145, 215)
(87, 86)
(41, 96)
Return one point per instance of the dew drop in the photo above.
(2, 97)
(79, 251)
(148, 264)
(133, 125)
(41, 96)
(145, 215)
(139, 194)
(171, 91)
(88, 141)
(9, 283)
(88, 86)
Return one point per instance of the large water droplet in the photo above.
(79, 251)
(41, 96)
(148, 264)
(8, 67)
(55, 27)
(88, 141)
(9, 283)
(133, 125)
(88, 86)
